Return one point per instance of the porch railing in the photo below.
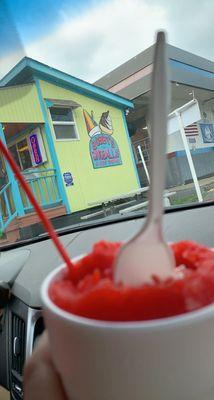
(7, 208)
(44, 186)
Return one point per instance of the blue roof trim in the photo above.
(47, 73)
(201, 150)
(67, 86)
(14, 72)
(190, 68)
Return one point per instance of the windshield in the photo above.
(75, 95)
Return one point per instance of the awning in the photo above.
(66, 103)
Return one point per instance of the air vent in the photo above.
(18, 343)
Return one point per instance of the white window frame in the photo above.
(69, 123)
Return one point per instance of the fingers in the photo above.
(41, 382)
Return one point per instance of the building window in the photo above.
(21, 154)
(64, 123)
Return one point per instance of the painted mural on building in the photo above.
(104, 150)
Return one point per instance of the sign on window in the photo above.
(36, 147)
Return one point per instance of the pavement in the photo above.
(202, 182)
(206, 185)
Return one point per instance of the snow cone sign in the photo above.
(35, 149)
(103, 148)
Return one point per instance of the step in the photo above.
(12, 232)
(32, 218)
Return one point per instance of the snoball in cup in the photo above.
(165, 359)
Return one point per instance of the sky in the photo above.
(89, 38)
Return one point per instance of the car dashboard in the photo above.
(22, 322)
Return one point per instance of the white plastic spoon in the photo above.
(146, 254)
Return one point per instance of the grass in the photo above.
(191, 198)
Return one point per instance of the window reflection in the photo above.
(200, 139)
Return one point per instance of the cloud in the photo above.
(9, 60)
(11, 46)
(191, 25)
(100, 38)
(93, 41)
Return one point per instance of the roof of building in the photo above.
(132, 78)
(28, 69)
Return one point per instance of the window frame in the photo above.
(20, 161)
(65, 123)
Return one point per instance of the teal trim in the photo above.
(41, 192)
(18, 75)
(52, 148)
(7, 222)
(55, 187)
(14, 184)
(77, 90)
(6, 215)
(16, 70)
(130, 149)
(49, 103)
(7, 203)
(32, 171)
(31, 183)
(42, 188)
(48, 190)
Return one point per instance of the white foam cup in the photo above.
(165, 359)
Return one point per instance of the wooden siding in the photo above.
(91, 184)
(20, 104)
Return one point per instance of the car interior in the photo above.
(24, 267)
(75, 114)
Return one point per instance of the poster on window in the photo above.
(104, 150)
(207, 131)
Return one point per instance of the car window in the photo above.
(75, 96)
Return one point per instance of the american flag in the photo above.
(191, 130)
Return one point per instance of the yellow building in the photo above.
(69, 138)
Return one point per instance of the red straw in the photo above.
(47, 224)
